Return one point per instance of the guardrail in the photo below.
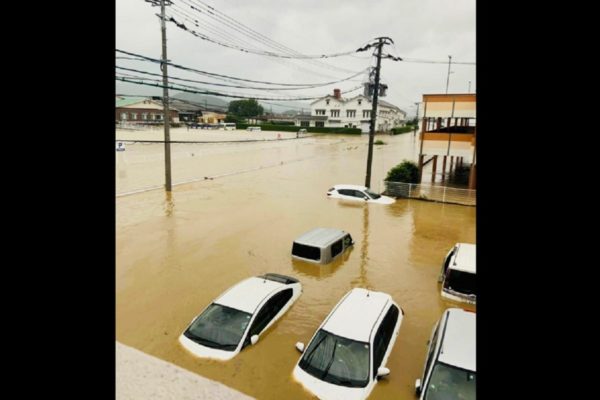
(443, 194)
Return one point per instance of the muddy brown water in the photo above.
(175, 254)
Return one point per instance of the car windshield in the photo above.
(337, 360)
(219, 327)
(372, 194)
(450, 383)
(460, 281)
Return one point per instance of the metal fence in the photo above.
(442, 194)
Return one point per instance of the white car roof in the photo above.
(458, 346)
(320, 237)
(464, 258)
(355, 187)
(355, 315)
(248, 294)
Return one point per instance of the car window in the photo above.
(346, 192)
(449, 382)
(461, 281)
(267, 312)
(383, 337)
(219, 327)
(359, 194)
(337, 360)
(347, 241)
(432, 344)
(304, 251)
(336, 248)
(448, 258)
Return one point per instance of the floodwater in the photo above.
(175, 254)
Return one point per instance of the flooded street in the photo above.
(175, 254)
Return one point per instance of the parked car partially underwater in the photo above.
(321, 245)
(239, 316)
(348, 353)
(459, 273)
(450, 367)
(358, 193)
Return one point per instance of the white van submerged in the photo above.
(450, 368)
(321, 245)
(459, 274)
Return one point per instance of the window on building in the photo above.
(305, 123)
(359, 102)
(327, 101)
(134, 116)
(320, 112)
(335, 113)
(158, 116)
(366, 113)
(350, 113)
(144, 116)
(124, 116)
(320, 124)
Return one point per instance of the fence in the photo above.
(442, 194)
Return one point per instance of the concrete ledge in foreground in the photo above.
(140, 376)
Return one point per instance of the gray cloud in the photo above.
(423, 29)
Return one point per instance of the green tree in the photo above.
(233, 118)
(407, 172)
(245, 108)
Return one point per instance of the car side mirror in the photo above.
(366, 198)
(300, 347)
(418, 387)
(253, 339)
(382, 372)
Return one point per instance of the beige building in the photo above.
(448, 133)
(211, 117)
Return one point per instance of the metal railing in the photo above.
(443, 194)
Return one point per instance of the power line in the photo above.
(254, 35)
(230, 37)
(224, 94)
(220, 75)
(239, 86)
(262, 52)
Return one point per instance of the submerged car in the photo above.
(321, 245)
(459, 273)
(239, 316)
(358, 193)
(450, 368)
(348, 353)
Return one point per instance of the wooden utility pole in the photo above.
(166, 118)
(381, 42)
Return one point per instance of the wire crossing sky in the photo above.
(425, 33)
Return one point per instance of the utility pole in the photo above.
(381, 42)
(416, 120)
(166, 119)
(448, 79)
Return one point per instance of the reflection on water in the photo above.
(176, 253)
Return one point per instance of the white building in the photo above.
(333, 111)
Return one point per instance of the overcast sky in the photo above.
(421, 29)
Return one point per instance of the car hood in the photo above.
(383, 200)
(328, 391)
(206, 352)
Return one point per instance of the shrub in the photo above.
(460, 175)
(403, 129)
(293, 128)
(407, 172)
(379, 142)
